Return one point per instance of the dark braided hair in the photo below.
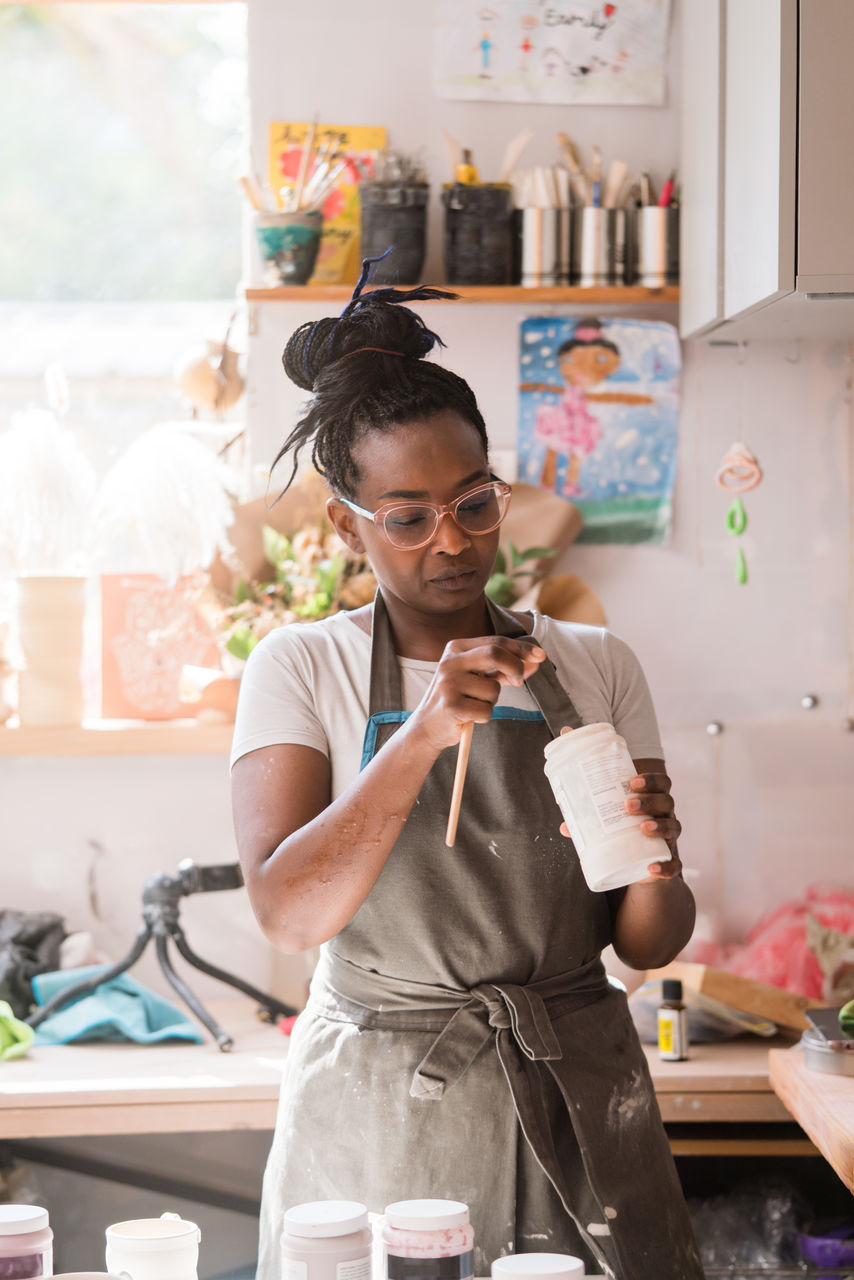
(369, 390)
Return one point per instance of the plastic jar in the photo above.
(327, 1240)
(26, 1242)
(164, 1248)
(428, 1240)
(538, 1266)
(589, 770)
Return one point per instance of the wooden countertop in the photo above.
(822, 1104)
(94, 1089)
(97, 1089)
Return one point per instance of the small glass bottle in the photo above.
(672, 1022)
(428, 1240)
(26, 1242)
(327, 1240)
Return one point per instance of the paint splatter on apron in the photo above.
(462, 1040)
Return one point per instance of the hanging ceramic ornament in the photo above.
(210, 378)
(739, 471)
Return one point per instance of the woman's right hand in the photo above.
(467, 684)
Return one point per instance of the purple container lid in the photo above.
(834, 1248)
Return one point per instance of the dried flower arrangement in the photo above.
(313, 575)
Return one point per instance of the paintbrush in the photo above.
(459, 781)
(307, 148)
(513, 151)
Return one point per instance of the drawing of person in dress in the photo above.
(568, 428)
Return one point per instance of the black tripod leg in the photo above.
(222, 1038)
(270, 1003)
(83, 988)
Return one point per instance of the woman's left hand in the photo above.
(651, 797)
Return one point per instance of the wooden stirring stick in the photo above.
(459, 779)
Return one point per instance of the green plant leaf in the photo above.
(241, 642)
(537, 553)
(500, 565)
(277, 548)
(500, 588)
(242, 592)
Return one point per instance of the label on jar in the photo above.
(672, 1035)
(608, 786)
(355, 1269)
(460, 1267)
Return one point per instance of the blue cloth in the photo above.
(122, 1009)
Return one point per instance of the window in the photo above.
(120, 204)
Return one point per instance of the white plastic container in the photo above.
(164, 1248)
(538, 1266)
(428, 1240)
(589, 770)
(327, 1240)
(26, 1242)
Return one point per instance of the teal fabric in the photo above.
(122, 1009)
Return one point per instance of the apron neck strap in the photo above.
(386, 683)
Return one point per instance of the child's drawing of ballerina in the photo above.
(568, 428)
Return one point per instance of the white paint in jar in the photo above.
(327, 1240)
(589, 770)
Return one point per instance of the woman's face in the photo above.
(435, 460)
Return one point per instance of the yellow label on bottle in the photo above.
(665, 1034)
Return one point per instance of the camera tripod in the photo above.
(161, 896)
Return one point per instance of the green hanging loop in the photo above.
(736, 517)
(740, 567)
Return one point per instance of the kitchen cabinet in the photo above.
(768, 191)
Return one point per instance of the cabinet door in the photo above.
(700, 166)
(825, 148)
(760, 153)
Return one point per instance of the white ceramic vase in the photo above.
(50, 612)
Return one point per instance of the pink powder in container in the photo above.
(428, 1240)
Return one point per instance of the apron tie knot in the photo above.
(523, 1011)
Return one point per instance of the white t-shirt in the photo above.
(308, 684)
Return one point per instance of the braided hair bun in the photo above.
(365, 371)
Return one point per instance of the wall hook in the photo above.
(741, 354)
(796, 349)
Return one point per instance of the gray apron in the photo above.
(462, 1040)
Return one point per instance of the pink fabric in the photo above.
(568, 427)
(775, 950)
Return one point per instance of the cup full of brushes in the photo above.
(288, 243)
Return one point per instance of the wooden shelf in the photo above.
(618, 295)
(120, 737)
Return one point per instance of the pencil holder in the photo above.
(394, 216)
(653, 246)
(543, 248)
(288, 245)
(478, 233)
(598, 255)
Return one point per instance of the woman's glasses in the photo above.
(409, 525)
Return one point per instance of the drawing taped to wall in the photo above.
(598, 421)
(590, 51)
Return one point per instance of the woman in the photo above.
(461, 1039)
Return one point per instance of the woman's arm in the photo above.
(309, 864)
(654, 918)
